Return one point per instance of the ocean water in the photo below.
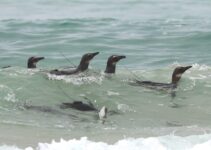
(155, 35)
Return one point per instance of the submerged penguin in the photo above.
(111, 63)
(79, 105)
(5, 67)
(32, 61)
(84, 64)
(176, 76)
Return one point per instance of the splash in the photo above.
(78, 79)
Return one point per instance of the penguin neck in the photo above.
(176, 78)
(31, 65)
(110, 68)
(83, 66)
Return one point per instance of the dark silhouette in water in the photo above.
(84, 64)
(176, 76)
(102, 114)
(32, 61)
(47, 109)
(111, 63)
(79, 105)
(5, 67)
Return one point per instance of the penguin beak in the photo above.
(121, 57)
(94, 54)
(36, 59)
(118, 58)
(86, 58)
(186, 68)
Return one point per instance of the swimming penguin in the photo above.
(111, 63)
(79, 105)
(32, 61)
(176, 76)
(84, 64)
(46, 109)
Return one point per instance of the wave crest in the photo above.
(170, 142)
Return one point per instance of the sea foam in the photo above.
(77, 80)
(195, 142)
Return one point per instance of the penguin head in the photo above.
(177, 74)
(115, 58)
(86, 58)
(32, 61)
(111, 63)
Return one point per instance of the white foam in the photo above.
(200, 67)
(196, 142)
(77, 79)
(111, 93)
(8, 94)
(203, 146)
(5, 147)
(125, 108)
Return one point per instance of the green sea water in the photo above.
(155, 36)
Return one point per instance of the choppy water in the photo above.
(155, 35)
